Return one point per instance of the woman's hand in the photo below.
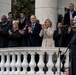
(10, 33)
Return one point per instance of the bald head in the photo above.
(33, 19)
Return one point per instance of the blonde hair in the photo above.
(49, 21)
(15, 21)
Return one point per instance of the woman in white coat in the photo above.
(47, 34)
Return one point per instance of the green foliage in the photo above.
(28, 6)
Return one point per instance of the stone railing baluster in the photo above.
(2, 63)
(32, 63)
(18, 63)
(67, 60)
(40, 63)
(7, 64)
(49, 64)
(12, 64)
(24, 63)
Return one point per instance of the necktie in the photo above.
(22, 20)
(32, 26)
(71, 13)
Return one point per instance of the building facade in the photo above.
(49, 9)
(5, 7)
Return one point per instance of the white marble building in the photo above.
(50, 8)
(5, 7)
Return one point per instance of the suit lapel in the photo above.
(69, 15)
(35, 27)
(73, 14)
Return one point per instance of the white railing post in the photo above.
(58, 66)
(67, 59)
(18, 63)
(40, 63)
(2, 63)
(7, 64)
(24, 63)
(32, 63)
(49, 64)
(12, 64)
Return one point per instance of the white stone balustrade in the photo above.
(32, 63)
(50, 63)
(24, 63)
(41, 63)
(14, 62)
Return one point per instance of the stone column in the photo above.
(5, 7)
(64, 3)
(46, 9)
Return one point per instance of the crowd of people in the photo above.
(30, 33)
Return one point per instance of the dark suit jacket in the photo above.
(67, 17)
(56, 38)
(73, 55)
(25, 38)
(34, 38)
(64, 39)
(21, 25)
(4, 34)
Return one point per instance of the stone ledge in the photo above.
(32, 49)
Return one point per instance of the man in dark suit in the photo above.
(34, 40)
(22, 24)
(10, 18)
(23, 20)
(73, 50)
(4, 27)
(69, 15)
(34, 30)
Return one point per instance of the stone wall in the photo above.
(5, 7)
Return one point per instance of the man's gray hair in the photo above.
(71, 4)
(4, 16)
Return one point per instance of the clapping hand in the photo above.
(24, 28)
(10, 33)
(44, 27)
(30, 30)
(21, 32)
(69, 29)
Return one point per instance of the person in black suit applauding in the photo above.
(34, 30)
(70, 14)
(22, 20)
